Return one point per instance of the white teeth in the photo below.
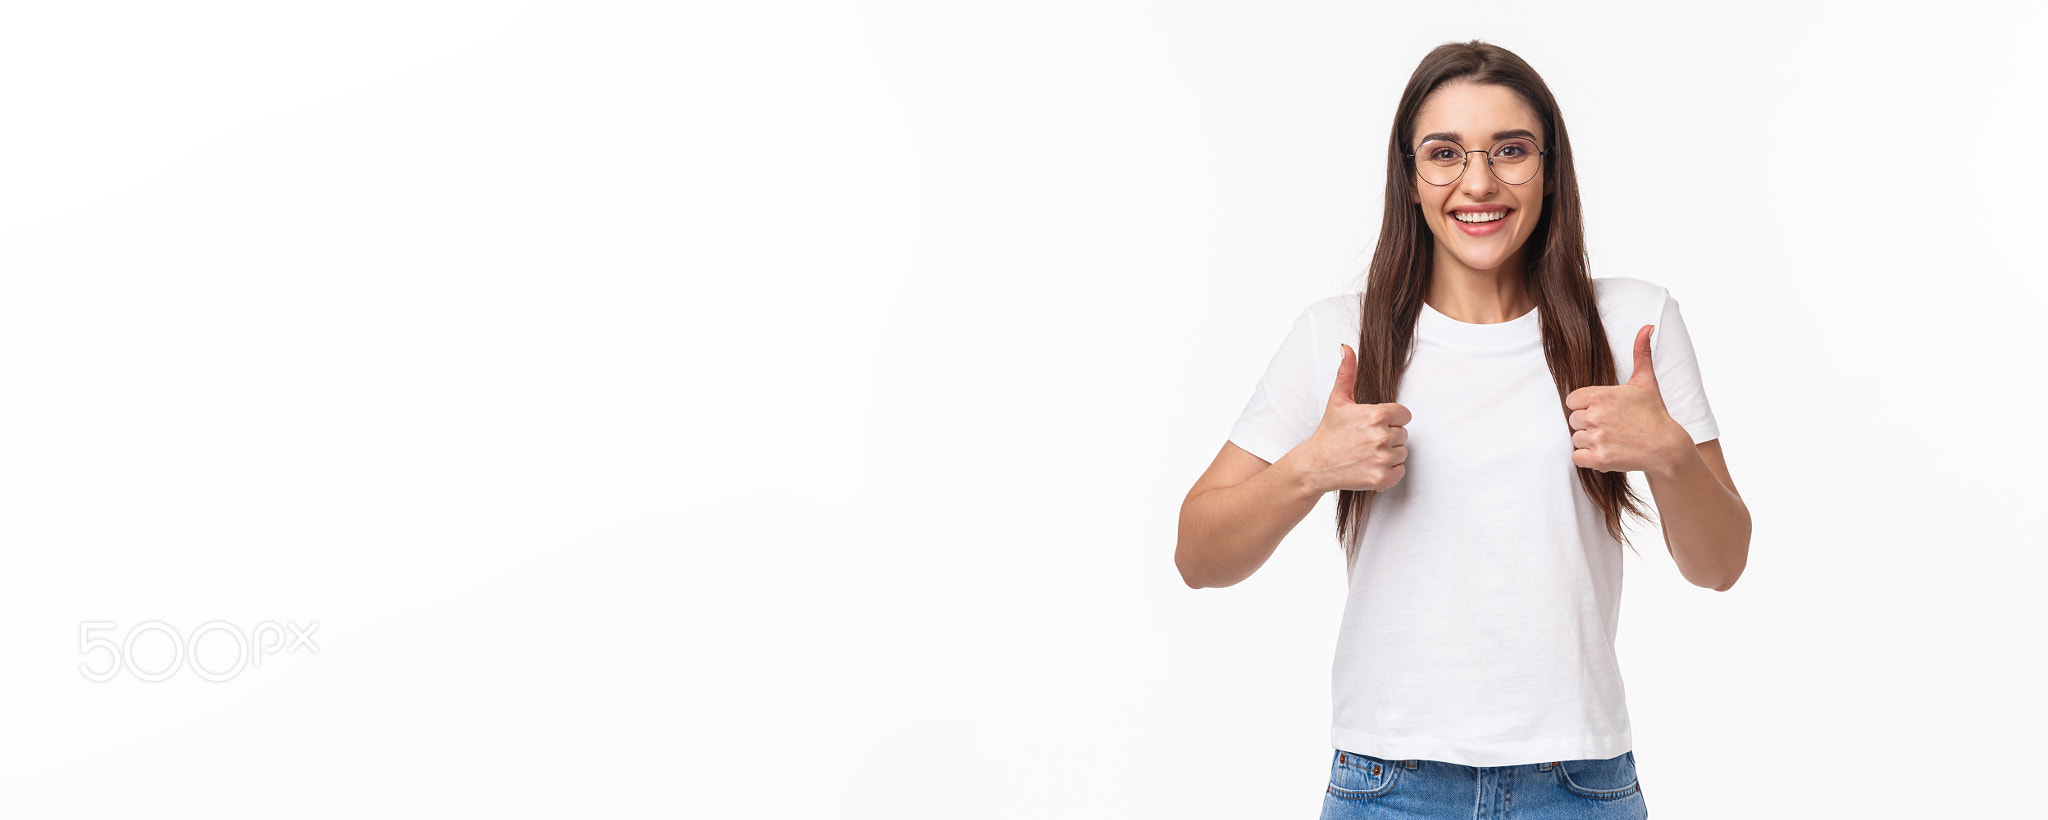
(1464, 216)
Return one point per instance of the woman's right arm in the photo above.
(1237, 514)
(1242, 507)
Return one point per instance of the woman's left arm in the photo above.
(1706, 525)
(1626, 427)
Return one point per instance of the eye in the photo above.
(1514, 150)
(1442, 154)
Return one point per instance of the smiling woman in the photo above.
(1497, 205)
(1475, 661)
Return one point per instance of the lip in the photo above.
(1487, 229)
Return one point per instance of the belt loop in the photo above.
(1410, 764)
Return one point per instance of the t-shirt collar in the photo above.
(1434, 326)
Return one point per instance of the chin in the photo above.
(1488, 263)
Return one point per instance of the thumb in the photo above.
(1347, 379)
(1645, 374)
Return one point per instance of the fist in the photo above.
(1357, 446)
(1625, 427)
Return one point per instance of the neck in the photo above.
(1480, 297)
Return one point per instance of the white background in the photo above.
(784, 410)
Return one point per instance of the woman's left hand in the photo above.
(1625, 427)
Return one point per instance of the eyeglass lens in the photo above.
(1441, 162)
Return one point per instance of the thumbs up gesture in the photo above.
(1357, 446)
(1625, 427)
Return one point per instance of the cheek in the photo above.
(1430, 206)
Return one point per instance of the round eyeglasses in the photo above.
(1441, 162)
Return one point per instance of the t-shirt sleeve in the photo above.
(1678, 375)
(1285, 408)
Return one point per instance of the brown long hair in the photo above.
(1556, 273)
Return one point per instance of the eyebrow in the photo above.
(1454, 137)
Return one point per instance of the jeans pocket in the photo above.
(1608, 779)
(1354, 776)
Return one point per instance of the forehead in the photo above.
(1475, 112)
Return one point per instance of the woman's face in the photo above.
(1473, 114)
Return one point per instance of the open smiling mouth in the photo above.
(1481, 223)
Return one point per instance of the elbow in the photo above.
(1719, 583)
(1197, 577)
(1186, 576)
(1741, 563)
(1726, 584)
(1185, 558)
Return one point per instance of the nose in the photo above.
(1478, 180)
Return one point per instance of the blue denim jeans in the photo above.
(1367, 786)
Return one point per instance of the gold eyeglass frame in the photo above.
(1489, 163)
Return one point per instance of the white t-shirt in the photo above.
(1480, 620)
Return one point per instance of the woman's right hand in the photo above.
(1357, 446)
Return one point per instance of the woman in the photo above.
(1480, 513)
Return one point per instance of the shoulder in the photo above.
(1328, 317)
(1322, 324)
(1336, 302)
(1334, 312)
(1627, 297)
(1626, 304)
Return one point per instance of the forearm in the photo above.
(1706, 525)
(1227, 533)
